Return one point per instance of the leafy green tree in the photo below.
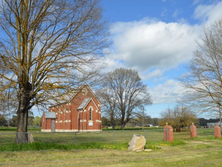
(37, 121)
(178, 117)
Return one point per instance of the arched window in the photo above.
(90, 113)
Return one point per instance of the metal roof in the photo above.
(50, 115)
(84, 103)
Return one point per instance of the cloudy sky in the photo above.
(157, 38)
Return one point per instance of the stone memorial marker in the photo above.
(137, 143)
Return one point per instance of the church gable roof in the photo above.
(88, 89)
(66, 98)
(85, 102)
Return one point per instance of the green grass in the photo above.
(8, 129)
(180, 153)
(110, 149)
(7, 136)
(90, 145)
(13, 129)
(120, 136)
(52, 146)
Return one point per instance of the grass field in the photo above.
(110, 136)
(204, 150)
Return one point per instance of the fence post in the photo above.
(114, 136)
(75, 138)
(27, 136)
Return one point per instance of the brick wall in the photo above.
(68, 118)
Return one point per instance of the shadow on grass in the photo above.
(55, 146)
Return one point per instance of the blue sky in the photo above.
(157, 38)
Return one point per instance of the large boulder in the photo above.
(137, 143)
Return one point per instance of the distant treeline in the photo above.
(155, 121)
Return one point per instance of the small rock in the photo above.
(147, 150)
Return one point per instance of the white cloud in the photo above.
(196, 1)
(164, 12)
(176, 13)
(152, 44)
(148, 43)
(154, 74)
(168, 92)
(208, 14)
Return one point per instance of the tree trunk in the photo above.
(113, 127)
(22, 113)
(122, 127)
(113, 123)
(122, 122)
(21, 135)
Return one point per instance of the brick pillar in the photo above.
(217, 132)
(193, 131)
(168, 133)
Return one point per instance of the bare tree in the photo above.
(48, 48)
(124, 93)
(178, 117)
(7, 98)
(8, 103)
(204, 78)
(109, 104)
(143, 118)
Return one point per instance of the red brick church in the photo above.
(81, 113)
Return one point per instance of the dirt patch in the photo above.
(198, 142)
